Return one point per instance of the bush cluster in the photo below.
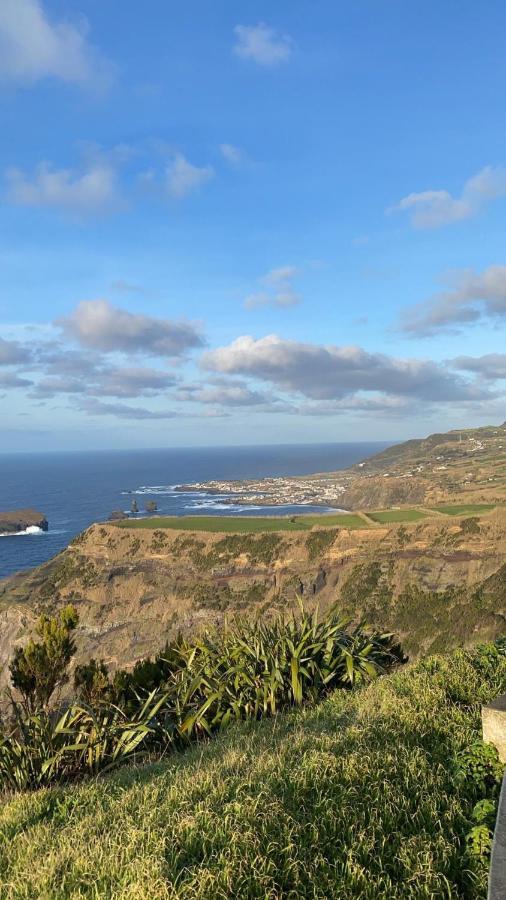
(189, 691)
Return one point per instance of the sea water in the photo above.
(74, 489)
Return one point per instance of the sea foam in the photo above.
(32, 529)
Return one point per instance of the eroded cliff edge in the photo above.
(436, 583)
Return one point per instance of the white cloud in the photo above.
(328, 372)
(181, 177)
(88, 192)
(278, 290)
(33, 47)
(472, 296)
(262, 44)
(279, 276)
(100, 325)
(435, 208)
(231, 154)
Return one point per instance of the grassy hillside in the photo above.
(359, 797)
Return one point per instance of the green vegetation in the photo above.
(245, 524)
(426, 620)
(367, 588)
(189, 691)
(464, 509)
(222, 596)
(375, 793)
(320, 541)
(218, 557)
(65, 569)
(397, 515)
(40, 667)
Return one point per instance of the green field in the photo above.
(245, 524)
(465, 509)
(385, 516)
(354, 798)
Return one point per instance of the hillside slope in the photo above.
(437, 582)
(468, 465)
(356, 798)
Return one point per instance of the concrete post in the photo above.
(493, 719)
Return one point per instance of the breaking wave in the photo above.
(152, 489)
(218, 504)
(32, 529)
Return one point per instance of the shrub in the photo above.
(43, 750)
(41, 666)
(480, 768)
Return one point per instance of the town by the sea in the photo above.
(74, 489)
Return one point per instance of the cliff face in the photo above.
(436, 583)
(20, 520)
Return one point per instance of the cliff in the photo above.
(437, 583)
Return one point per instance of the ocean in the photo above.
(74, 489)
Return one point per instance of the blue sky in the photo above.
(245, 223)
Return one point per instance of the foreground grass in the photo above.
(397, 515)
(355, 798)
(245, 524)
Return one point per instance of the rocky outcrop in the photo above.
(20, 519)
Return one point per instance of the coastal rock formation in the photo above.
(436, 583)
(19, 520)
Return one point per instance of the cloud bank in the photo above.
(330, 372)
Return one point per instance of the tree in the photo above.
(134, 507)
(151, 506)
(41, 667)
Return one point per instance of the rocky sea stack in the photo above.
(20, 519)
